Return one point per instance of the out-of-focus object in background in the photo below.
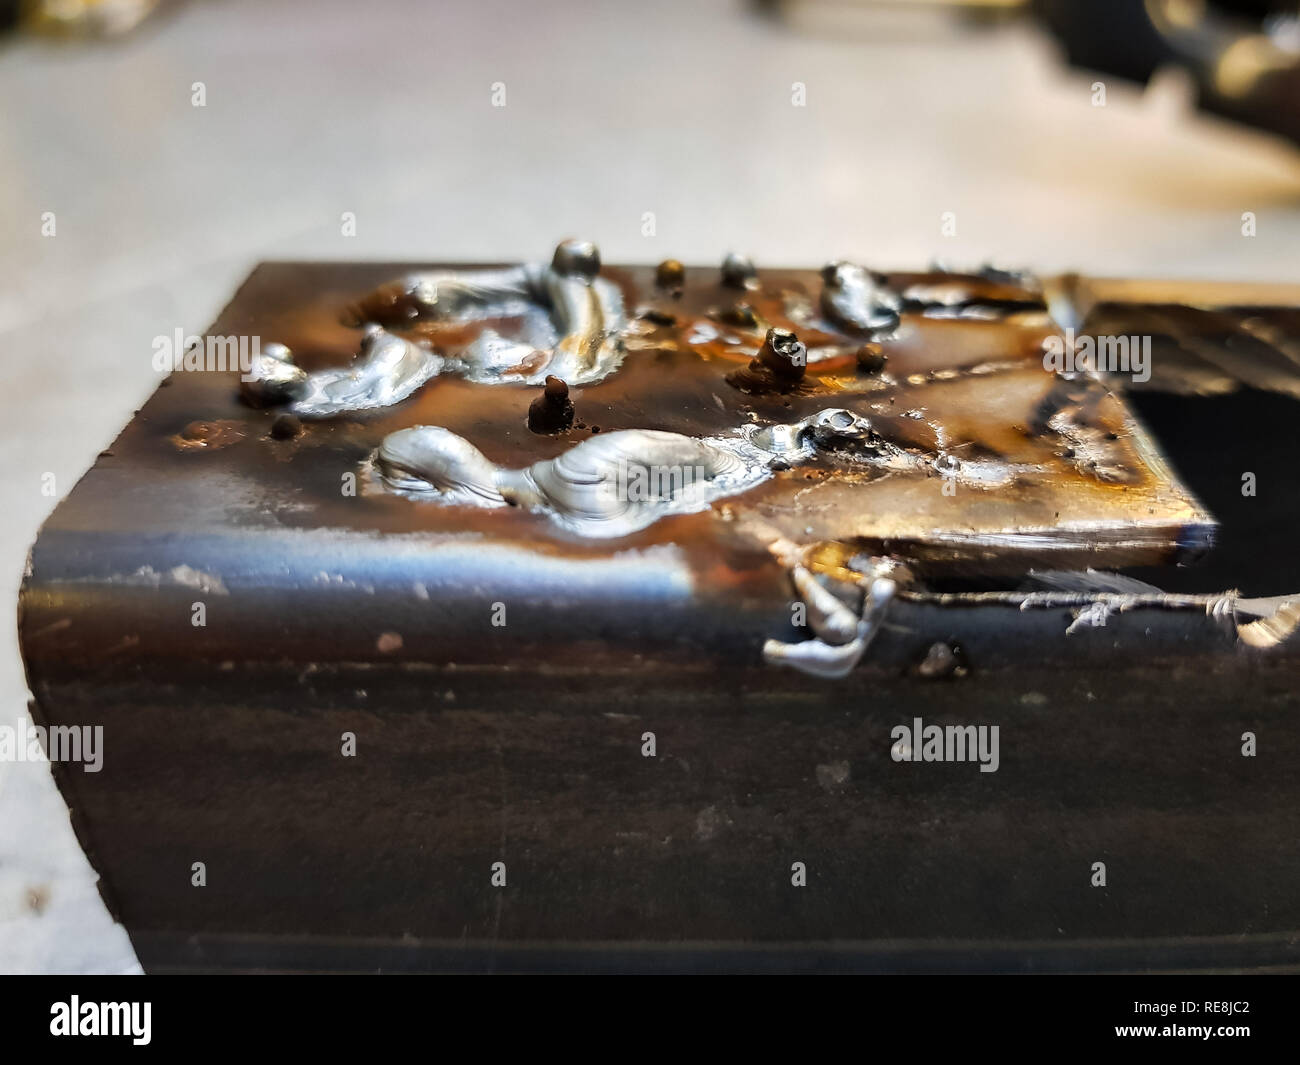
(1243, 56)
(76, 18)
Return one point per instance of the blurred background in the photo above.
(151, 154)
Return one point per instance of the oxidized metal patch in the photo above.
(913, 409)
(867, 426)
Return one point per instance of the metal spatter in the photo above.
(841, 634)
(616, 483)
(858, 301)
(578, 339)
(863, 302)
(387, 371)
(845, 600)
(1259, 623)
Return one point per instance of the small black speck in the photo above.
(286, 427)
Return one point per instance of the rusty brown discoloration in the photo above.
(967, 388)
(209, 435)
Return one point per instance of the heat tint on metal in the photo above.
(925, 421)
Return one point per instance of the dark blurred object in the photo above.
(1243, 56)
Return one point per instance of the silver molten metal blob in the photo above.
(583, 328)
(615, 483)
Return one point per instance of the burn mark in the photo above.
(209, 435)
(285, 427)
